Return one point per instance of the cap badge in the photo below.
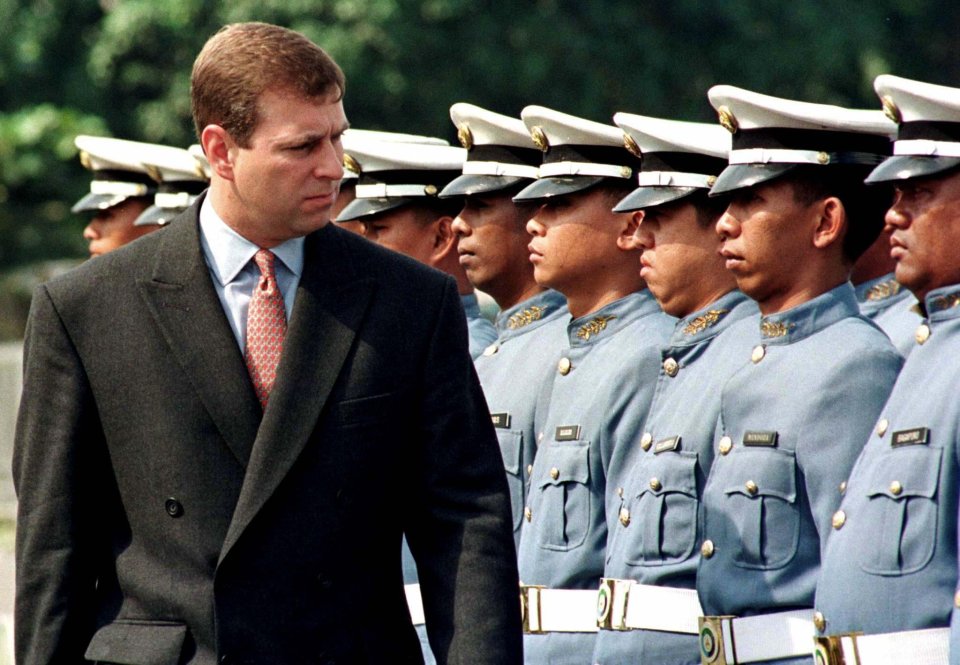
(85, 160)
(631, 145)
(153, 172)
(540, 138)
(430, 190)
(351, 164)
(727, 120)
(464, 135)
(711, 180)
(890, 109)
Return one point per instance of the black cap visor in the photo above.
(904, 167)
(359, 208)
(741, 176)
(648, 197)
(471, 185)
(157, 216)
(95, 202)
(545, 188)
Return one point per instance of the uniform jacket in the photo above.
(162, 520)
(480, 331)
(893, 308)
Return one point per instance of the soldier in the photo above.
(648, 605)
(890, 566)
(121, 189)
(492, 244)
(794, 418)
(396, 199)
(599, 393)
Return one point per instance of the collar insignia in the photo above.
(705, 321)
(941, 303)
(525, 317)
(883, 290)
(770, 329)
(594, 327)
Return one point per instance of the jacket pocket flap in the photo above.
(568, 462)
(667, 474)
(138, 643)
(909, 472)
(764, 472)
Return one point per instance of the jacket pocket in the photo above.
(902, 510)
(511, 448)
(662, 517)
(761, 491)
(133, 642)
(564, 504)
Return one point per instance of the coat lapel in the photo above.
(185, 305)
(329, 308)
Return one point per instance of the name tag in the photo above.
(673, 443)
(919, 436)
(567, 433)
(500, 420)
(760, 439)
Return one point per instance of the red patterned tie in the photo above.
(266, 326)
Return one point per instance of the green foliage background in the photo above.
(122, 68)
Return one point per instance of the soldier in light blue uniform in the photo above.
(890, 567)
(598, 394)
(492, 244)
(648, 604)
(793, 419)
(396, 198)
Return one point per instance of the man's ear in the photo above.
(218, 146)
(831, 222)
(444, 239)
(629, 223)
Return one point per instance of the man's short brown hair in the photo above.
(241, 61)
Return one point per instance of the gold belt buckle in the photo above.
(530, 608)
(712, 651)
(612, 603)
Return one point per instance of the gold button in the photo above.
(758, 353)
(655, 484)
(751, 487)
(529, 469)
(527, 513)
(624, 517)
(823, 158)
(819, 622)
(839, 519)
(646, 440)
(564, 366)
(843, 487)
(706, 550)
(922, 334)
(620, 492)
(956, 600)
(492, 349)
(896, 488)
(540, 437)
(726, 445)
(554, 473)
(882, 426)
(671, 367)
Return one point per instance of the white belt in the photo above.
(414, 603)
(558, 610)
(627, 605)
(917, 647)
(729, 640)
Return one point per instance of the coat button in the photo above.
(173, 507)
(655, 484)
(491, 350)
(752, 488)
(956, 600)
(671, 367)
(646, 441)
(839, 519)
(554, 473)
(564, 366)
(624, 517)
(758, 353)
(922, 334)
(706, 550)
(843, 487)
(882, 426)
(896, 488)
(529, 469)
(726, 445)
(819, 622)
(527, 513)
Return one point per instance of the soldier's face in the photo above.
(925, 219)
(679, 258)
(766, 241)
(492, 243)
(403, 230)
(113, 228)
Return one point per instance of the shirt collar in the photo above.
(943, 303)
(529, 314)
(712, 319)
(810, 317)
(228, 252)
(607, 320)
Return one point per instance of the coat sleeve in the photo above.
(58, 448)
(460, 533)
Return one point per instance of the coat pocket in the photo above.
(564, 502)
(901, 508)
(511, 448)
(138, 642)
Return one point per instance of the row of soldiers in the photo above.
(720, 371)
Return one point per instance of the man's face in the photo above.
(403, 230)
(113, 227)
(925, 219)
(677, 252)
(285, 183)
(492, 242)
(574, 235)
(766, 238)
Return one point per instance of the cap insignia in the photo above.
(890, 109)
(525, 317)
(705, 321)
(430, 190)
(594, 327)
(711, 180)
(540, 138)
(883, 290)
(153, 172)
(85, 160)
(631, 145)
(770, 329)
(727, 120)
(351, 164)
(464, 135)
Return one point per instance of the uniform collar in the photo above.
(471, 305)
(607, 320)
(811, 317)
(943, 304)
(529, 314)
(712, 319)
